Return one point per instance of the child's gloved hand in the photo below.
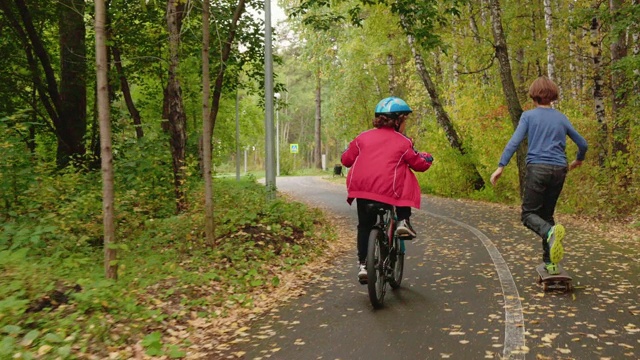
(427, 157)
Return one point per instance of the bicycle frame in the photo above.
(387, 223)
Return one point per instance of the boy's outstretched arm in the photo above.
(574, 164)
(496, 175)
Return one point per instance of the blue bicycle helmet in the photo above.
(392, 106)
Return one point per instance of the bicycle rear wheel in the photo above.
(376, 281)
(398, 263)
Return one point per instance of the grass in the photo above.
(56, 304)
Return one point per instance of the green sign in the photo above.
(293, 148)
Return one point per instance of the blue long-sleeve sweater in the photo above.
(546, 130)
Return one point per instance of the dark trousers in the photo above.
(366, 222)
(543, 185)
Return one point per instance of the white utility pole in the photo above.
(270, 176)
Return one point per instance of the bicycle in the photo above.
(385, 254)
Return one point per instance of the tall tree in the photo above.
(573, 50)
(635, 44)
(177, 119)
(126, 91)
(73, 78)
(598, 89)
(206, 127)
(508, 86)
(442, 117)
(225, 53)
(102, 79)
(620, 127)
(423, 28)
(64, 101)
(551, 56)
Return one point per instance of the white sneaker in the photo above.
(404, 230)
(362, 273)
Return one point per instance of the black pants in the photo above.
(366, 222)
(543, 185)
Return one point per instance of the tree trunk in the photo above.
(105, 140)
(392, 75)
(508, 86)
(476, 36)
(441, 115)
(635, 37)
(534, 39)
(43, 56)
(318, 140)
(224, 57)
(47, 99)
(67, 106)
(598, 95)
(206, 129)
(620, 129)
(177, 119)
(126, 92)
(575, 87)
(73, 81)
(520, 71)
(548, 24)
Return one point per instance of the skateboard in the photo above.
(560, 281)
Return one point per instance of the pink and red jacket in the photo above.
(381, 161)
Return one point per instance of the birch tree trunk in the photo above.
(318, 124)
(441, 115)
(508, 86)
(206, 128)
(598, 95)
(177, 119)
(573, 73)
(105, 140)
(548, 24)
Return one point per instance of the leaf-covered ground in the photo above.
(199, 309)
(176, 296)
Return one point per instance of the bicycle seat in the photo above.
(378, 207)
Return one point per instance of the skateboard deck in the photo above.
(560, 281)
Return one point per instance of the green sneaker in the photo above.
(552, 269)
(556, 234)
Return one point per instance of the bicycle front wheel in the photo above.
(376, 281)
(398, 263)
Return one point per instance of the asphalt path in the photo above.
(469, 292)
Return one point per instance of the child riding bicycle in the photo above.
(381, 160)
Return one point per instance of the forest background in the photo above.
(463, 66)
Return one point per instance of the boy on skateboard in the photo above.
(546, 130)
